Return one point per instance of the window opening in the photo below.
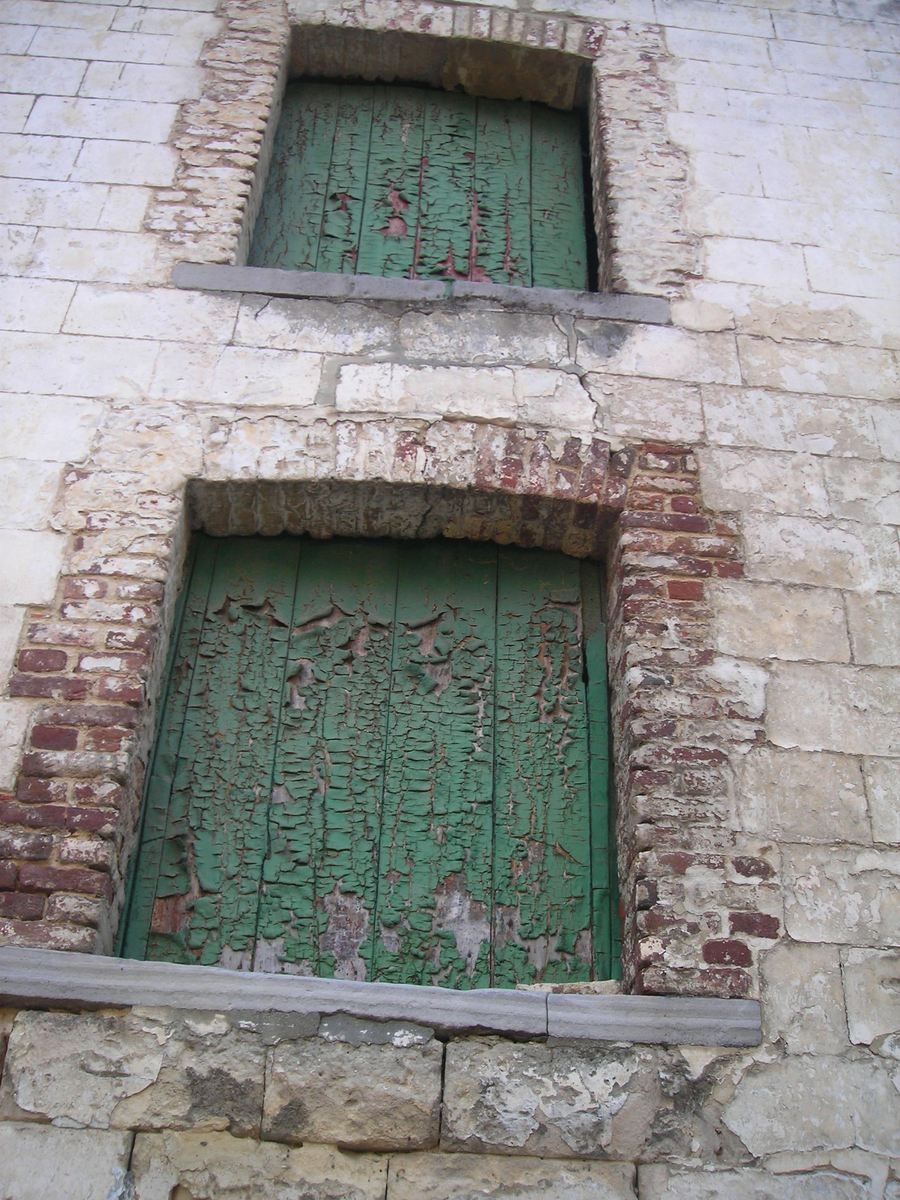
(381, 760)
(422, 184)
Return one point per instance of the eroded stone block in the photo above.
(872, 989)
(659, 1182)
(41, 1162)
(796, 795)
(803, 1005)
(842, 894)
(499, 1177)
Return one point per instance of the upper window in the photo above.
(424, 184)
(381, 760)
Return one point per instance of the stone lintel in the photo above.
(62, 979)
(271, 281)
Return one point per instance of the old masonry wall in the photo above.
(724, 436)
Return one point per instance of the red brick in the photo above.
(675, 521)
(749, 866)
(141, 591)
(34, 878)
(108, 740)
(129, 639)
(730, 570)
(42, 660)
(727, 953)
(54, 737)
(120, 689)
(53, 937)
(58, 816)
(683, 504)
(17, 843)
(8, 873)
(685, 589)
(755, 924)
(105, 793)
(84, 587)
(62, 634)
(49, 687)
(34, 791)
(21, 905)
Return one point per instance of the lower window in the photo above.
(381, 760)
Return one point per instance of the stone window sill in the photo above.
(270, 281)
(61, 979)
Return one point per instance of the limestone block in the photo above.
(842, 894)
(659, 1182)
(14, 112)
(657, 351)
(872, 989)
(862, 491)
(16, 242)
(775, 421)
(134, 1072)
(56, 77)
(795, 796)
(131, 120)
(14, 718)
(48, 364)
(819, 367)
(10, 628)
(108, 47)
(499, 1177)
(887, 430)
(853, 710)
(826, 554)
(558, 1101)
(318, 326)
(27, 493)
(161, 313)
(740, 481)
(482, 337)
(366, 1097)
(125, 208)
(40, 1162)
(480, 393)
(132, 81)
(142, 163)
(170, 1166)
(803, 1004)
(883, 786)
(845, 1102)
(235, 375)
(31, 566)
(875, 629)
(552, 399)
(34, 305)
(88, 254)
(767, 620)
(44, 202)
(32, 157)
(645, 408)
(743, 260)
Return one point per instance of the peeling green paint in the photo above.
(402, 181)
(381, 761)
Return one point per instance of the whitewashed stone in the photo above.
(313, 325)
(366, 1097)
(125, 209)
(14, 719)
(887, 430)
(142, 163)
(130, 120)
(41, 1162)
(108, 47)
(16, 242)
(875, 629)
(883, 786)
(479, 393)
(863, 491)
(499, 1177)
(646, 408)
(845, 1103)
(554, 1101)
(768, 620)
(33, 157)
(59, 77)
(482, 338)
(741, 481)
(171, 1166)
(27, 493)
(128, 81)
(45, 428)
(552, 400)
(31, 566)
(55, 365)
(842, 894)
(856, 709)
(659, 1182)
(847, 555)
(158, 313)
(235, 375)
(702, 316)
(10, 627)
(34, 305)
(89, 254)
(803, 1004)
(819, 367)
(872, 987)
(792, 795)
(44, 202)
(657, 351)
(774, 421)
(767, 264)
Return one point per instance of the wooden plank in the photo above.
(390, 209)
(542, 891)
(216, 834)
(345, 190)
(318, 897)
(502, 200)
(558, 238)
(444, 235)
(288, 228)
(434, 900)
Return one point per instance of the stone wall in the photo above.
(736, 469)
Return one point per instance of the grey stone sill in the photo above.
(61, 979)
(269, 281)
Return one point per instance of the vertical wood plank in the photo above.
(559, 243)
(390, 210)
(542, 893)
(289, 226)
(444, 232)
(434, 902)
(345, 190)
(503, 194)
(318, 898)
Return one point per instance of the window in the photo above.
(422, 184)
(381, 760)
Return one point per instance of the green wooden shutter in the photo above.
(381, 761)
(424, 184)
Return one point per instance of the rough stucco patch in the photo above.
(497, 1177)
(40, 1162)
(816, 1103)
(213, 1166)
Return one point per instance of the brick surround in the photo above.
(695, 899)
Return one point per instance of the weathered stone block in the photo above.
(757, 620)
(32, 563)
(659, 1182)
(41, 1162)
(816, 1103)
(842, 894)
(211, 1166)
(46, 428)
(549, 1100)
(313, 325)
(794, 795)
(875, 629)
(741, 481)
(482, 337)
(645, 408)
(883, 786)
(855, 710)
(775, 421)
(803, 1003)
(872, 989)
(140, 1071)
(660, 352)
(482, 393)
(499, 1177)
(365, 1097)
(861, 491)
(789, 549)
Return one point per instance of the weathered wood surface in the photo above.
(401, 181)
(381, 761)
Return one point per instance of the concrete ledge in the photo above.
(269, 281)
(60, 979)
